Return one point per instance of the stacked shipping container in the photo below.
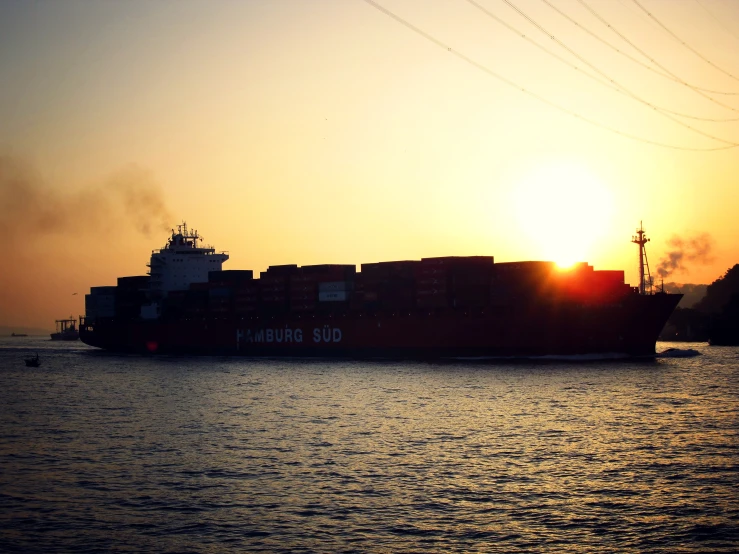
(386, 286)
(473, 282)
(454, 281)
(130, 294)
(100, 302)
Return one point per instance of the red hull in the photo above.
(630, 328)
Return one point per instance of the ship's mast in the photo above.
(641, 239)
(193, 234)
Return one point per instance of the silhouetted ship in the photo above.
(429, 308)
(66, 329)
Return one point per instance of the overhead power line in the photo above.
(663, 74)
(655, 62)
(608, 82)
(717, 20)
(619, 86)
(685, 44)
(510, 83)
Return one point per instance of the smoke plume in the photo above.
(55, 238)
(30, 208)
(695, 249)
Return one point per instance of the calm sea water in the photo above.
(105, 453)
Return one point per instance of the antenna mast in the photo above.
(641, 240)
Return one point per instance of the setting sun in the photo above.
(564, 209)
(298, 132)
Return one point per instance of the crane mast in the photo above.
(645, 278)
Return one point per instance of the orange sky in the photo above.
(329, 131)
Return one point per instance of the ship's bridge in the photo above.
(181, 262)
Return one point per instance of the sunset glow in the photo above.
(346, 131)
(565, 210)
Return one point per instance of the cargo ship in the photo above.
(66, 329)
(456, 306)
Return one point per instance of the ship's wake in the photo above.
(548, 357)
(678, 353)
(594, 357)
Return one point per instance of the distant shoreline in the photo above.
(30, 331)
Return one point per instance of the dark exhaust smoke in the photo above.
(30, 208)
(693, 250)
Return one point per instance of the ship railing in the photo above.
(207, 248)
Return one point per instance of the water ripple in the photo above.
(102, 453)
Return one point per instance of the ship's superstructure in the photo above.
(432, 307)
(182, 262)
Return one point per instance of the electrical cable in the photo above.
(510, 83)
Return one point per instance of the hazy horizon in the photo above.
(351, 131)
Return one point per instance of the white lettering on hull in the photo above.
(327, 334)
(286, 335)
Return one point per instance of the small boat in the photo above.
(33, 362)
(18, 335)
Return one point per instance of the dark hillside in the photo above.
(720, 292)
(692, 294)
(715, 317)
